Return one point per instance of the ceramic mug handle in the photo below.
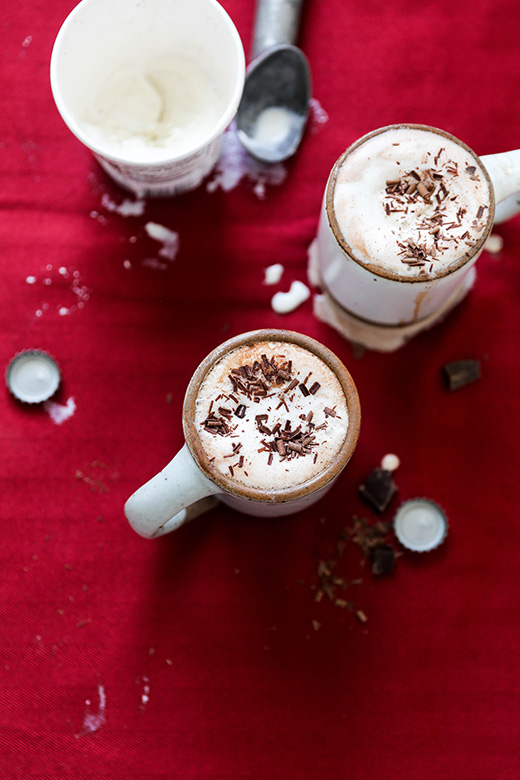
(504, 171)
(177, 494)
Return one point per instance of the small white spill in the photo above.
(127, 264)
(273, 273)
(60, 412)
(30, 280)
(127, 208)
(62, 311)
(94, 720)
(390, 462)
(235, 164)
(318, 115)
(168, 238)
(283, 303)
(27, 41)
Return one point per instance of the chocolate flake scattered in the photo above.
(460, 373)
(401, 194)
(257, 381)
(378, 489)
(383, 560)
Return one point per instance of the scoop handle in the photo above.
(276, 22)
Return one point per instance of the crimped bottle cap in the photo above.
(33, 376)
(420, 524)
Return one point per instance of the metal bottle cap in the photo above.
(32, 376)
(420, 524)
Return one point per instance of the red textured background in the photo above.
(202, 644)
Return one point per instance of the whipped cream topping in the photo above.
(411, 201)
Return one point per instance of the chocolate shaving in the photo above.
(460, 373)
(280, 446)
(290, 387)
(378, 489)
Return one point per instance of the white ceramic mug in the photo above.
(149, 87)
(385, 297)
(191, 482)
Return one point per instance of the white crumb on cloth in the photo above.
(127, 207)
(168, 238)
(60, 412)
(285, 302)
(273, 273)
(390, 462)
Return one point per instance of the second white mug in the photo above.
(405, 215)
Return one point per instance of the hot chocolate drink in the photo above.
(271, 415)
(270, 418)
(411, 202)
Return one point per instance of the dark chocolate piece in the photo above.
(460, 373)
(378, 489)
(383, 560)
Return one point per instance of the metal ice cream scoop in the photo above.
(273, 111)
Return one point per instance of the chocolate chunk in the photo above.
(383, 560)
(378, 489)
(460, 373)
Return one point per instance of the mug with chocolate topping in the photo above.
(270, 419)
(406, 213)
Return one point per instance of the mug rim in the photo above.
(385, 273)
(310, 486)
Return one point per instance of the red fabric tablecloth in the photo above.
(204, 655)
